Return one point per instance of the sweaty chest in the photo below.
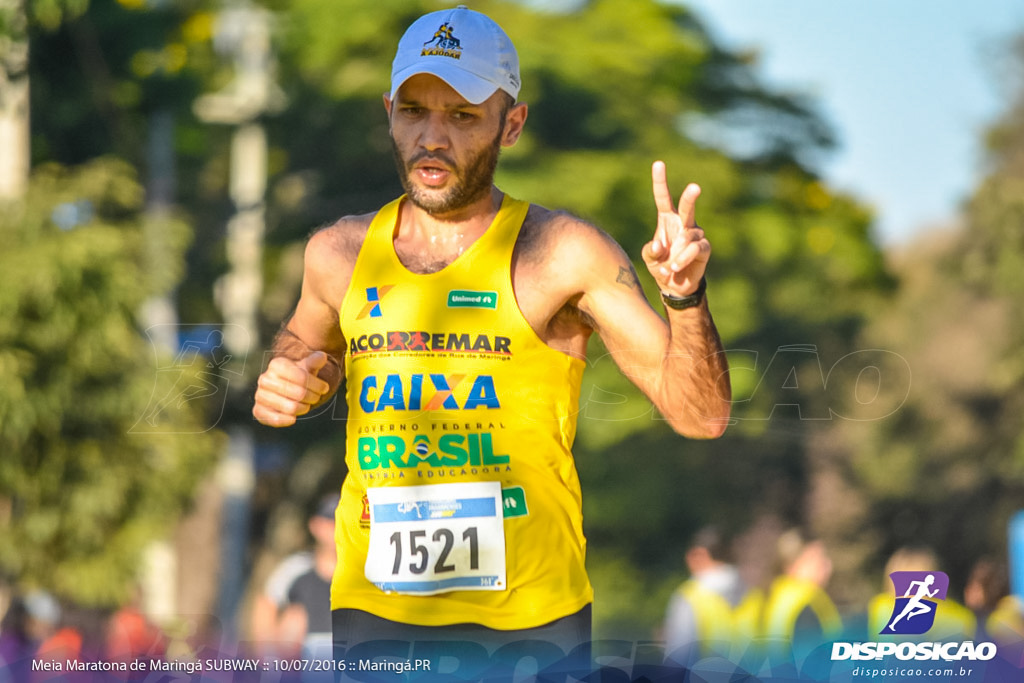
(421, 257)
(498, 281)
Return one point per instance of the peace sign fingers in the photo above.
(679, 251)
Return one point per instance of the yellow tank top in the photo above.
(462, 502)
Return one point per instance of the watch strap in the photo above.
(679, 303)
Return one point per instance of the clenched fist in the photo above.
(289, 389)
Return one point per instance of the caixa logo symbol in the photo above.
(917, 599)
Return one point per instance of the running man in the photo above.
(459, 318)
(916, 604)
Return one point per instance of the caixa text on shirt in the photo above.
(430, 342)
(427, 391)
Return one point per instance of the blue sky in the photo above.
(909, 86)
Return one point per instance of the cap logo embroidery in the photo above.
(443, 44)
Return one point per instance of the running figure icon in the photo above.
(916, 605)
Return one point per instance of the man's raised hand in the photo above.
(679, 252)
(288, 389)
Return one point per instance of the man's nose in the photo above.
(435, 132)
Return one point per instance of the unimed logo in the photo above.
(917, 599)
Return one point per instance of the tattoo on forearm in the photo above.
(628, 277)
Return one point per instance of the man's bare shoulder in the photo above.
(331, 254)
(556, 235)
(340, 240)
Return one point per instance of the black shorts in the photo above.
(369, 648)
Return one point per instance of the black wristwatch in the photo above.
(681, 302)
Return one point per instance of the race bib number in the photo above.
(439, 538)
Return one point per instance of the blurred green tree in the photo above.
(993, 242)
(103, 436)
(947, 469)
(104, 433)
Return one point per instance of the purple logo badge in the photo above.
(917, 598)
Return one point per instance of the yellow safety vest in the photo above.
(722, 628)
(1006, 623)
(786, 601)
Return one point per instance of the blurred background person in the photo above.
(132, 635)
(987, 584)
(1000, 614)
(1005, 625)
(273, 598)
(713, 612)
(29, 621)
(798, 614)
(292, 615)
(306, 620)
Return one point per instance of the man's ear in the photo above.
(387, 104)
(514, 122)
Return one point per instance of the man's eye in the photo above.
(463, 116)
